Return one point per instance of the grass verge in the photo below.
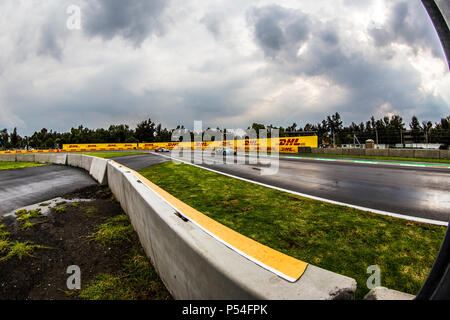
(10, 249)
(337, 238)
(136, 279)
(7, 165)
(95, 235)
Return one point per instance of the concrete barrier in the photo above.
(444, 154)
(427, 154)
(115, 183)
(402, 153)
(194, 265)
(377, 152)
(382, 293)
(8, 157)
(26, 157)
(319, 150)
(98, 170)
(353, 152)
(42, 158)
(58, 158)
(86, 162)
(336, 151)
(74, 160)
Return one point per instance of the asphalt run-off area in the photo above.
(27, 186)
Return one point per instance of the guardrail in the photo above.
(192, 263)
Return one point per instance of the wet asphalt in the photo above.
(27, 186)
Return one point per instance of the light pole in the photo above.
(376, 135)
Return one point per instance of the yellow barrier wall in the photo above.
(99, 146)
(285, 145)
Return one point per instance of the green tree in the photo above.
(145, 131)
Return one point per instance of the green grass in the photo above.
(111, 154)
(26, 217)
(75, 204)
(136, 279)
(374, 157)
(3, 233)
(7, 165)
(10, 249)
(59, 209)
(18, 249)
(337, 238)
(115, 231)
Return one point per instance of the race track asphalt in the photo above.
(138, 162)
(27, 186)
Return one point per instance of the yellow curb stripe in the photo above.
(289, 266)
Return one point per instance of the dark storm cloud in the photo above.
(407, 23)
(279, 30)
(133, 20)
(53, 33)
(51, 41)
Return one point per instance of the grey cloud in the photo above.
(103, 97)
(329, 36)
(52, 34)
(407, 23)
(51, 42)
(213, 22)
(279, 30)
(368, 81)
(133, 20)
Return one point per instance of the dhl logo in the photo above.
(290, 142)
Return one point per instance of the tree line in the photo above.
(331, 130)
(387, 130)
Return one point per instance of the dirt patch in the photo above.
(65, 234)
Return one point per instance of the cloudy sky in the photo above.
(228, 63)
